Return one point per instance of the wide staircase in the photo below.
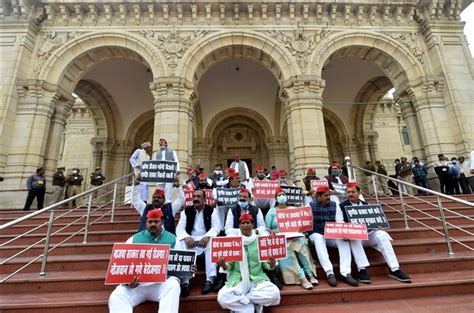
(75, 271)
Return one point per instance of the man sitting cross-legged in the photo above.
(248, 287)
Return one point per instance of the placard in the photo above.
(294, 194)
(345, 231)
(372, 216)
(295, 219)
(265, 189)
(181, 262)
(228, 248)
(188, 196)
(315, 184)
(271, 247)
(158, 171)
(147, 261)
(227, 196)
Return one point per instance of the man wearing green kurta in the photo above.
(248, 287)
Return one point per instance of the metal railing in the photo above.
(403, 194)
(101, 202)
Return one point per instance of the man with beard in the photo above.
(282, 178)
(192, 181)
(378, 239)
(158, 202)
(248, 287)
(262, 203)
(166, 154)
(310, 175)
(127, 296)
(203, 182)
(136, 160)
(197, 225)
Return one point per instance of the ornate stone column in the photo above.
(301, 97)
(174, 98)
(278, 152)
(411, 122)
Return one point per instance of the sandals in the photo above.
(306, 284)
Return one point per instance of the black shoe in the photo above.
(219, 282)
(349, 280)
(185, 288)
(274, 279)
(400, 276)
(206, 288)
(332, 280)
(363, 277)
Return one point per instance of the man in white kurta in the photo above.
(197, 225)
(166, 154)
(136, 160)
(240, 167)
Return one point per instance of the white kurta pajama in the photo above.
(136, 160)
(167, 187)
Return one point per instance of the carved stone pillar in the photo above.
(301, 96)
(411, 122)
(278, 152)
(174, 98)
(202, 154)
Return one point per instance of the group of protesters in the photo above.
(249, 284)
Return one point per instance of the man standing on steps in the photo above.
(136, 160)
(59, 181)
(240, 167)
(97, 179)
(36, 185)
(74, 185)
(126, 296)
(166, 154)
(378, 239)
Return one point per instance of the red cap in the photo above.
(164, 140)
(352, 184)
(156, 213)
(246, 217)
(202, 175)
(190, 170)
(311, 170)
(244, 190)
(230, 170)
(279, 190)
(234, 175)
(322, 189)
(237, 154)
(335, 165)
(259, 168)
(158, 192)
(280, 172)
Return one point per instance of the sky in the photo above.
(468, 16)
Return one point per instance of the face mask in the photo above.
(74, 172)
(335, 173)
(218, 172)
(281, 199)
(454, 162)
(243, 204)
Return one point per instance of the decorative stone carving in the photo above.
(410, 41)
(48, 42)
(300, 45)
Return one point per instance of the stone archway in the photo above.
(336, 136)
(140, 131)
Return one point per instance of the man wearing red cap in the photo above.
(240, 167)
(378, 239)
(126, 296)
(158, 202)
(203, 182)
(244, 207)
(337, 181)
(262, 203)
(166, 154)
(248, 287)
(197, 225)
(325, 210)
(310, 175)
(282, 178)
(136, 160)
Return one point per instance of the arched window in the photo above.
(405, 137)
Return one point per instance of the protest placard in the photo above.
(271, 247)
(264, 189)
(295, 219)
(294, 194)
(372, 216)
(188, 196)
(345, 231)
(158, 171)
(315, 184)
(228, 248)
(181, 262)
(227, 196)
(147, 261)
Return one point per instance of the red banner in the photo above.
(345, 231)
(295, 219)
(271, 247)
(147, 261)
(188, 195)
(227, 248)
(265, 189)
(318, 183)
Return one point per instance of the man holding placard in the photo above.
(126, 296)
(166, 154)
(378, 239)
(244, 207)
(248, 287)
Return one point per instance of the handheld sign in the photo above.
(157, 171)
(294, 194)
(227, 196)
(345, 231)
(265, 189)
(271, 247)
(228, 248)
(181, 262)
(147, 261)
(315, 184)
(295, 219)
(372, 216)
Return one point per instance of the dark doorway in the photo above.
(248, 161)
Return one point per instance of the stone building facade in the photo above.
(292, 84)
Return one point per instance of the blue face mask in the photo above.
(282, 199)
(243, 204)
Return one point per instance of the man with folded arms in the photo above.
(127, 296)
(378, 239)
(136, 160)
(248, 288)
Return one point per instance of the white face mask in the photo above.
(74, 172)
(217, 172)
(282, 199)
